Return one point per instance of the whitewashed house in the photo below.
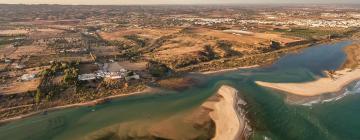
(27, 77)
(86, 77)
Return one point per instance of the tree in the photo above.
(67, 78)
(157, 69)
(46, 72)
(38, 96)
(226, 46)
(64, 65)
(71, 75)
(275, 45)
(209, 52)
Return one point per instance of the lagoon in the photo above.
(270, 114)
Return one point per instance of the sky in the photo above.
(146, 2)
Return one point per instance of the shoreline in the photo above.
(93, 102)
(89, 103)
(229, 123)
(227, 70)
(320, 86)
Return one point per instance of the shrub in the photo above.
(157, 69)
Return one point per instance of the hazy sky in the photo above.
(109, 2)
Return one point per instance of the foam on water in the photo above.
(267, 138)
(348, 91)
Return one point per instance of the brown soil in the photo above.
(26, 51)
(137, 66)
(147, 33)
(13, 32)
(20, 87)
(88, 68)
(353, 56)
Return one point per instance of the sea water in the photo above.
(271, 116)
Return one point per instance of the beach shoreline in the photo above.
(89, 103)
(320, 86)
(115, 96)
(229, 123)
(335, 81)
(228, 70)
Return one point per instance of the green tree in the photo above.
(46, 72)
(38, 96)
(157, 69)
(275, 45)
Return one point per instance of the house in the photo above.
(7, 61)
(18, 66)
(110, 71)
(110, 75)
(86, 77)
(132, 76)
(113, 75)
(27, 77)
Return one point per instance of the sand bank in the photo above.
(227, 121)
(228, 70)
(330, 84)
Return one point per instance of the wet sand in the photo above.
(228, 123)
(228, 70)
(334, 83)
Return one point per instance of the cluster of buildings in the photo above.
(27, 77)
(13, 64)
(338, 15)
(208, 21)
(114, 72)
(340, 23)
(74, 50)
(339, 20)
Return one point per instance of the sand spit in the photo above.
(334, 83)
(229, 124)
(228, 70)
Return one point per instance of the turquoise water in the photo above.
(271, 116)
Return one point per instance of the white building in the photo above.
(133, 76)
(86, 77)
(18, 66)
(7, 61)
(110, 71)
(27, 77)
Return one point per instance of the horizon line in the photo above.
(175, 4)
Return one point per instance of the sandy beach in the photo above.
(228, 70)
(320, 86)
(227, 121)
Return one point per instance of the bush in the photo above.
(38, 96)
(157, 69)
(275, 45)
(139, 41)
(226, 47)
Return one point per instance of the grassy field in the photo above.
(310, 33)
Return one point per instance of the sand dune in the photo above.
(321, 86)
(224, 114)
